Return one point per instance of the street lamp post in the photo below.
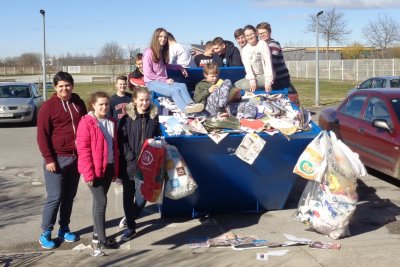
(317, 60)
(44, 55)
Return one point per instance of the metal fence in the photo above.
(351, 70)
(96, 69)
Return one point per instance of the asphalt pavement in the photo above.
(374, 239)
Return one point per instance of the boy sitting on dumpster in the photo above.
(213, 92)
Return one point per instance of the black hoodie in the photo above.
(231, 56)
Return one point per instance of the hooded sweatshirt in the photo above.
(231, 58)
(56, 126)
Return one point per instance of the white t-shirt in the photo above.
(107, 127)
(180, 55)
(257, 60)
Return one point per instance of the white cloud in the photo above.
(351, 4)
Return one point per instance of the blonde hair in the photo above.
(210, 68)
(139, 90)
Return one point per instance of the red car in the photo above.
(368, 121)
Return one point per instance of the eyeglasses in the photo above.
(263, 33)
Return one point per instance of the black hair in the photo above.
(63, 76)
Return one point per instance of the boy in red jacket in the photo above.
(56, 131)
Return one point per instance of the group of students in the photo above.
(105, 143)
(101, 145)
(260, 55)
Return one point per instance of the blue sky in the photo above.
(84, 26)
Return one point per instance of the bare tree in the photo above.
(382, 33)
(112, 53)
(332, 26)
(30, 60)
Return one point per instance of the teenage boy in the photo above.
(282, 77)
(213, 92)
(136, 78)
(57, 122)
(240, 39)
(120, 99)
(225, 53)
(207, 57)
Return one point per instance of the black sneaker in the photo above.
(128, 234)
(110, 243)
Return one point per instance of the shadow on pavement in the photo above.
(23, 259)
(373, 212)
(16, 206)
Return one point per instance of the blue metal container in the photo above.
(226, 184)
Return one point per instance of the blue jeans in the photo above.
(177, 91)
(61, 187)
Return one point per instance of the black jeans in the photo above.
(99, 191)
(61, 187)
(131, 207)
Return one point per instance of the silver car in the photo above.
(19, 102)
(378, 82)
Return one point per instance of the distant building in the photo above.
(197, 48)
(308, 53)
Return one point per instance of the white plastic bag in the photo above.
(311, 164)
(180, 181)
(329, 204)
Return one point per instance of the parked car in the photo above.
(19, 102)
(379, 82)
(368, 121)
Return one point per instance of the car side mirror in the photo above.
(381, 124)
(357, 86)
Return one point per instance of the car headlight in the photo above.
(24, 107)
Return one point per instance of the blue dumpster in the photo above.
(226, 184)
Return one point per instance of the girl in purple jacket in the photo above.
(98, 162)
(155, 65)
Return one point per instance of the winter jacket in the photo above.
(134, 129)
(56, 126)
(231, 57)
(93, 150)
(201, 92)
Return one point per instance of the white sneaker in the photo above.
(194, 108)
(122, 223)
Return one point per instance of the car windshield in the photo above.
(396, 107)
(15, 91)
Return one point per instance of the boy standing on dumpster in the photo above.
(213, 92)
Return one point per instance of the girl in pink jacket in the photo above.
(98, 161)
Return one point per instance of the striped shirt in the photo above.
(278, 62)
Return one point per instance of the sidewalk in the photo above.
(375, 239)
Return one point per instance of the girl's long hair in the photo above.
(158, 50)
